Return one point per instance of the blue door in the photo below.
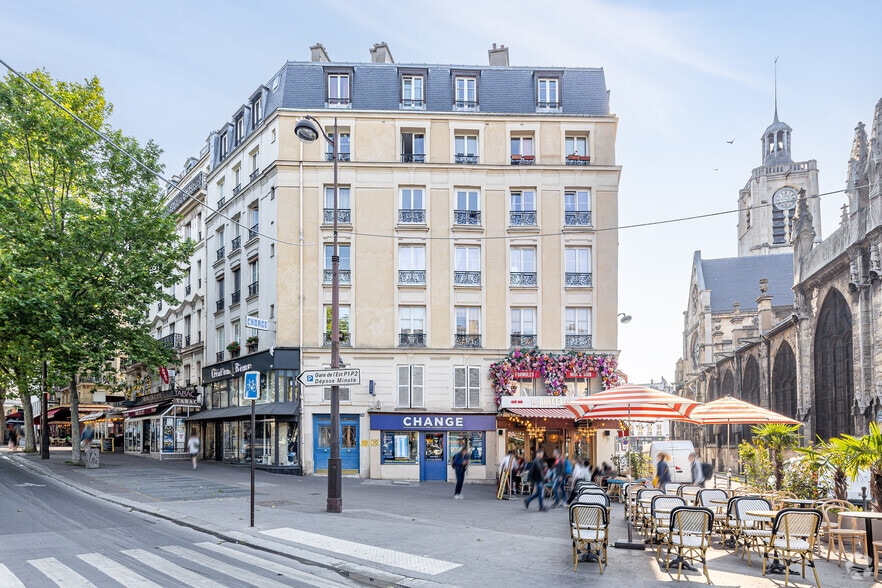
(349, 453)
(433, 466)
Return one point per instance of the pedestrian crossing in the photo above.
(200, 565)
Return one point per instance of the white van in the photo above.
(679, 452)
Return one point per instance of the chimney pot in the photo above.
(380, 53)
(318, 53)
(498, 56)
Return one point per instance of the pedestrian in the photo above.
(460, 464)
(193, 447)
(559, 479)
(537, 479)
(86, 437)
(697, 470)
(13, 437)
(662, 470)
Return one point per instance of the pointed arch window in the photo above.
(834, 375)
(784, 382)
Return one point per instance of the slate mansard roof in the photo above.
(736, 279)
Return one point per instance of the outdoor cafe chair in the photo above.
(629, 492)
(588, 498)
(706, 497)
(689, 492)
(842, 529)
(689, 534)
(644, 498)
(589, 528)
(793, 536)
(750, 528)
(660, 513)
(671, 487)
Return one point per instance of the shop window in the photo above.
(399, 447)
(474, 440)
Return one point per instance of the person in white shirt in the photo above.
(193, 448)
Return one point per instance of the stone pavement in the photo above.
(389, 533)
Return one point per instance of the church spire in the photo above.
(776, 138)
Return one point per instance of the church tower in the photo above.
(767, 203)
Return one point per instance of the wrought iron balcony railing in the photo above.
(220, 253)
(466, 278)
(413, 102)
(578, 341)
(187, 340)
(467, 217)
(465, 158)
(413, 158)
(577, 279)
(236, 244)
(220, 305)
(465, 104)
(344, 215)
(522, 279)
(221, 202)
(172, 340)
(340, 156)
(412, 216)
(187, 289)
(522, 159)
(344, 339)
(412, 277)
(254, 175)
(235, 297)
(253, 288)
(254, 231)
(577, 218)
(344, 275)
(412, 339)
(518, 340)
(219, 356)
(237, 189)
(338, 101)
(466, 340)
(522, 218)
(547, 104)
(578, 159)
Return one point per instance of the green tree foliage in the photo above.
(757, 465)
(86, 243)
(862, 453)
(829, 465)
(777, 438)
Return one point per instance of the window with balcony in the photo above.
(237, 180)
(338, 89)
(578, 267)
(548, 97)
(577, 328)
(411, 386)
(344, 213)
(522, 150)
(465, 149)
(237, 332)
(467, 266)
(523, 327)
(523, 267)
(256, 112)
(253, 222)
(412, 265)
(576, 150)
(468, 326)
(239, 126)
(344, 269)
(255, 165)
(412, 91)
(523, 208)
(413, 147)
(222, 145)
(468, 210)
(465, 93)
(344, 324)
(577, 208)
(187, 327)
(254, 272)
(412, 321)
(412, 208)
(220, 294)
(220, 341)
(344, 148)
(220, 244)
(466, 387)
(236, 296)
(221, 194)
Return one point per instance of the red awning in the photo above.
(547, 413)
(50, 414)
(141, 410)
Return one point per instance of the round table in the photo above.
(868, 516)
(800, 502)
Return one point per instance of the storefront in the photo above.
(109, 428)
(421, 446)
(225, 425)
(156, 426)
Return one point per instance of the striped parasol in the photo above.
(634, 403)
(732, 411)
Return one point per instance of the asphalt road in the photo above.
(53, 535)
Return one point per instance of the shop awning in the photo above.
(92, 417)
(52, 415)
(237, 412)
(546, 413)
(141, 410)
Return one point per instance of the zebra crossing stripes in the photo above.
(270, 566)
(239, 574)
(60, 573)
(8, 579)
(160, 564)
(117, 571)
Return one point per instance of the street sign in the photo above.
(163, 373)
(252, 385)
(252, 322)
(345, 377)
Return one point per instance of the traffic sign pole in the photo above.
(252, 391)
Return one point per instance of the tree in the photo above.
(862, 453)
(829, 464)
(777, 437)
(86, 242)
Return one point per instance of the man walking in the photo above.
(695, 467)
(537, 479)
(460, 464)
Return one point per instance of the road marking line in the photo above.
(160, 564)
(270, 566)
(60, 573)
(8, 579)
(224, 568)
(398, 559)
(117, 571)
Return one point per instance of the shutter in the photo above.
(327, 394)
(344, 394)
(459, 387)
(404, 386)
(416, 384)
(474, 387)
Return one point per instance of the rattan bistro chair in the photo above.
(689, 535)
(794, 534)
(842, 529)
(589, 527)
(660, 513)
(749, 527)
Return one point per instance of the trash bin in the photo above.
(92, 458)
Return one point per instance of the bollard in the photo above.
(864, 494)
(92, 457)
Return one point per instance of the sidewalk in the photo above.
(396, 534)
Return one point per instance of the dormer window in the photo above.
(338, 89)
(412, 91)
(465, 93)
(256, 112)
(222, 147)
(548, 94)
(240, 129)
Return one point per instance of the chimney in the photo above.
(498, 56)
(380, 53)
(318, 53)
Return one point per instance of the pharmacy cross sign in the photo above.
(338, 377)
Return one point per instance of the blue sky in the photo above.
(684, 78)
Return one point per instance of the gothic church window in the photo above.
(784, 382)
(834, 376)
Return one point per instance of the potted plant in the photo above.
(233, 347)
(252, 340)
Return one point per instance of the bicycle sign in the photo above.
(252, 381)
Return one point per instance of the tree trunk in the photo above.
(840, 485)
(876, 488)
(27, 411)
(2, 415)
(76, 455)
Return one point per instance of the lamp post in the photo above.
(308, 130)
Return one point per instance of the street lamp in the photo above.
(626, 318)
(308, 130)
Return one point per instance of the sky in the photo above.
(685, 79)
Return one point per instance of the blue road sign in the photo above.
(252, 385)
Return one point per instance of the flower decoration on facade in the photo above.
(553, 369)
(252, 340)
(233, 347)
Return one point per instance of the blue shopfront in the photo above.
(421, 446)
(349, 436)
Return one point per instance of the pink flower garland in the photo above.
(552, 369)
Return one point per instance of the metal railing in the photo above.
(577, 279)
(237, 189)
(220, 305)
(253, 175)
(344, 215)
(236, 244)
(580, 218)
(518, 340)
(412, 216)
(412, 339)
(522, 218)
(413, 158)
(253, 288)
(220, 253)
(461, 278)
(578, 341)
(522, 279)
(172, 340)
(344, 338)
(466, 340)
(467, 217)
(254, 231)
(412, 277)
(345, 276)
(235, 297)
(187, 289)
(465, 104)
(578, 160)
(465, 158)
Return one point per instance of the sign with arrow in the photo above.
(332, 377)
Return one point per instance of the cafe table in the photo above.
(868, 516)
(800, 502)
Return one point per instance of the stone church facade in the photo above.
(791, 324)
